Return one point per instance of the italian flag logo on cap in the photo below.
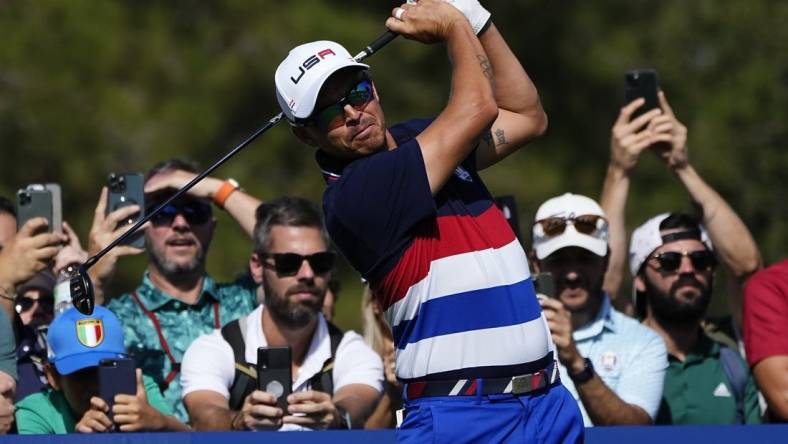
(90, 332)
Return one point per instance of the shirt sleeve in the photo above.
(752, 407)
(7, 347)
(765, 314)
(378, 200)
(641, 384)
(31, 417)
(155, 399)
(208, 364)
(357, 363)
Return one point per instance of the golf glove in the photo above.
(474, 12)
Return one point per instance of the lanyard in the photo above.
(175, 366)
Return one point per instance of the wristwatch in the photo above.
(583, 375)
(228, 187)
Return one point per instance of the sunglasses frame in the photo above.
(158, 219)
(658, 257)
(573, 219)
(364, 76)
(309, 258)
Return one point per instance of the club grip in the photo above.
(378, 43)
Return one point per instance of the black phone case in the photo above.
(642, 83)
(31, 204)
(544, 283)
(124, 190)
(116, 377)
(273, 373)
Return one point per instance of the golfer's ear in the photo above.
(304, 135)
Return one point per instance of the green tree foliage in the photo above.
(91, 87)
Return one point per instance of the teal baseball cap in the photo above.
(77, 341)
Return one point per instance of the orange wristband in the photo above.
(228, 187)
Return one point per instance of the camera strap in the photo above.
(175, 366)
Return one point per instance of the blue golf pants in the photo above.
(545, 417)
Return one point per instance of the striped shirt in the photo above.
(448, 270)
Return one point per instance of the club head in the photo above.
(82, 292)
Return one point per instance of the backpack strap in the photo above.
(245, 379)
(324, 380)
(733, 366)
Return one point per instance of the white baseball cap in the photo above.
(569, 206)
(301, 74)
(647, 238)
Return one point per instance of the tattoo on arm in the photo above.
(487, 138)
(500, 136)
(486, 66)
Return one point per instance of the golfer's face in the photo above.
(356, 131)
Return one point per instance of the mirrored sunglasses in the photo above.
(288, 264)
(332, 116)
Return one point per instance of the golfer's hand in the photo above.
(311, 409)
(428, 21)
(95, 420)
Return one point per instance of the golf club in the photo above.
(81, 286)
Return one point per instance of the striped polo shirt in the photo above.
(448, 271)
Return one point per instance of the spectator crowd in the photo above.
(649, 354)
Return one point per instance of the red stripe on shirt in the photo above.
(440, 238)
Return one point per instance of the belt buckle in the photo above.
(521, 384)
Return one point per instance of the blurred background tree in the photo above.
(91, 87)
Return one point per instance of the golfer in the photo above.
(406, 206)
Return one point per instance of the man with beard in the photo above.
(177, 300)
(613, 366)
(673, 264)
(337, 378)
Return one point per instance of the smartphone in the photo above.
(642, 83)
(32, 202)
(127, 189)
(57, 206)
(273, 373)
(544, 283)
(116, 377)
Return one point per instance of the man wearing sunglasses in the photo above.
(177, 300)
(614, 366)
(406, 205)
(293, 263)
(707, 382)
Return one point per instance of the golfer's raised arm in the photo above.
(471, 108)
(520, 117)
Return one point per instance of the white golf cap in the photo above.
(647, 238)
(568, 206)
(301, 74)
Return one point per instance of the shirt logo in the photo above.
(90, 332)
(722, 391)
(608, 361)
(462, 174)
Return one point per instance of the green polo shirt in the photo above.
(697, 391)
(180, 323)
(48, 412)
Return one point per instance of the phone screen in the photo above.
(642, 83)
(273, 373)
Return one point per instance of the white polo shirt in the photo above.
(209, 364)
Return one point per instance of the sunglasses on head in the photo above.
(358, 97)
(195, 213)
(701, 260)
(288, 264)
(584, 223)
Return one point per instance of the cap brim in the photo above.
(73, 363)
(571, 238)
(310, 98)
